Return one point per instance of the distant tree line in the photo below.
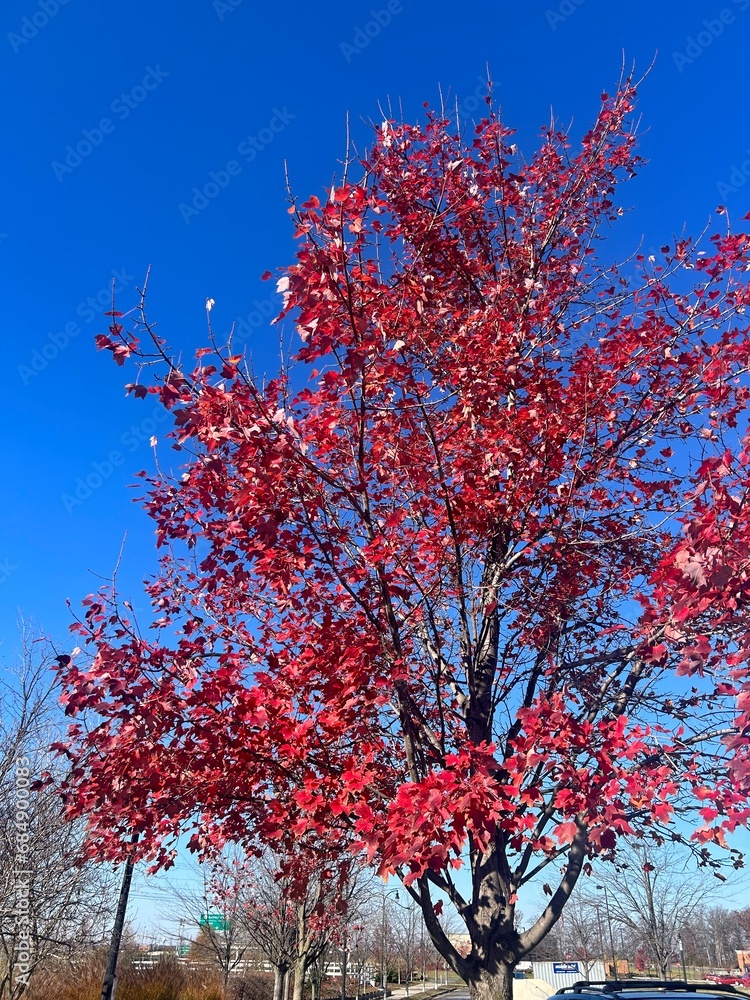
(653, 911)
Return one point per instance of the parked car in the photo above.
(646, 989)
(730, 979)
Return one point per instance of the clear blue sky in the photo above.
(114, 114)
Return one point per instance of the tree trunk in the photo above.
(110, 973)
(300, 968)
(227, 964)
(495, 985)
(280, 973)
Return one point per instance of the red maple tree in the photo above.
(467, 584)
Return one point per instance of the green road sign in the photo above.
(216, 921)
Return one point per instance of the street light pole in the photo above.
(383, 969)
(601, 933)
(611, 936)
(421, 952)
(382, 953)
(609, 928)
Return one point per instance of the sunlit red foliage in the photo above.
(473, 573)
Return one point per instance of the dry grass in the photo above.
(169, 980)
(166, 981)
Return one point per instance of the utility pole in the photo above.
(110, 974)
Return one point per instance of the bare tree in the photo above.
(581, 935)
(713, 936)
(360, 945)
(355, 934)
(296, 922)
(52, 902)
(653, 891)
(269, 917)
(406, 922)
(313, 931)
(217, 907)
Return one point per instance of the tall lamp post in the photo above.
(354, 952)
(609, 928)
(421, 954)
(383, 968)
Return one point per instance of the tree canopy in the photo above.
(466, 582)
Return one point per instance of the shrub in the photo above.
(166, 981)
(252, 986)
